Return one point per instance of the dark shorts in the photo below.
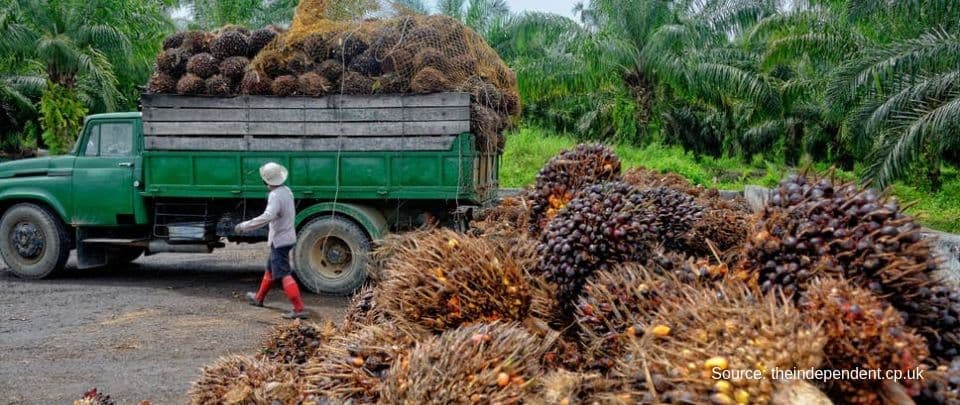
(279, 262)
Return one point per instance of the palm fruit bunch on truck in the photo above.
(318, 56)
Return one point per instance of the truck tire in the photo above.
(331, 255)
(123, 256)
(33, 241)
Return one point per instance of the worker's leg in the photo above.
(265, 284)
(280, 265)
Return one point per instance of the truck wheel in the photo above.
(331, 255)
(123, 256)
(33, 242)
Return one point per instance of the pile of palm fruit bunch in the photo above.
(319, 56)
(619, 297)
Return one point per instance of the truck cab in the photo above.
(118, 196)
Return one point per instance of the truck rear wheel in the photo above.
(331, 255)
(33, 242)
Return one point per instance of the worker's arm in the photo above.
(269, 214)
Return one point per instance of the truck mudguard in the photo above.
(370, 219)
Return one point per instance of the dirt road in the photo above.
(138, 332)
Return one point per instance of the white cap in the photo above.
(273, 174)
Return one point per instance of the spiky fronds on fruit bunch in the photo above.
(295, 342)
(174, 40)
(195, 42)
(446, 279)
(346, 46)
(92, 397)
(942, 385)
(616, 307)
(299, 63)
(569, 387)
(508, 218)
(862, 332)
(483, 363)
(355, 83)
(354, 366)
(429, 80)
(332, 70)
(813, 227)
(675, 214)
(246, 380)
(642, 178)
(721, 229)
(230, 43)
(606, 224)
(564, 175)
(365, 64)
(688, 269)
(363, 309)
(706, 330)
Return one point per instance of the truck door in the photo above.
(103, 174)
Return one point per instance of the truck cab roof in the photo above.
(114, 115)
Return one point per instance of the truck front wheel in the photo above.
(331, 255)
(33, 242)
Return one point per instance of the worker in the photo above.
(279, 213)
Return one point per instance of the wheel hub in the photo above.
(27, 240)
(336, 254)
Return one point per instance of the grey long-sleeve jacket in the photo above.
(280, 213)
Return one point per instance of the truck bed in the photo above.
(338, 147)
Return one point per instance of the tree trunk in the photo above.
(791, 154)
(932, 162)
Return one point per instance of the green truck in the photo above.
(177, 177)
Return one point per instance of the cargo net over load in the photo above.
(395, 53)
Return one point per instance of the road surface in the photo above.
(140, 332)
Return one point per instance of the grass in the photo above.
(529, 148)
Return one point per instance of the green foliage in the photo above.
(212, 14)
(61, 117)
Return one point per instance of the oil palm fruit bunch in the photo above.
(564, 175)
(295, 342)
(446, 279)
(246, 380)
(230, 43)
(172, 62)
(313, 84)
(203, 65)
(937, 314)
(570, 387)
(256, 83)
(191, 84)
(429, 80)
(161, 83)
(93, 397)
(353, 367)
(862, 332)
(219, 85)
(606, 224)
(356, 83)
(675, 214)
(942, 385)
(642, 178)
(234, 67)
(259, 39)
(616, 307)
(703, 332)
(815, 228)
(285, 86)
(346, 46)
(687, 269)
(494, 363)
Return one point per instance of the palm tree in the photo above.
(212, 14)
(481, 15)
(77, 47)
